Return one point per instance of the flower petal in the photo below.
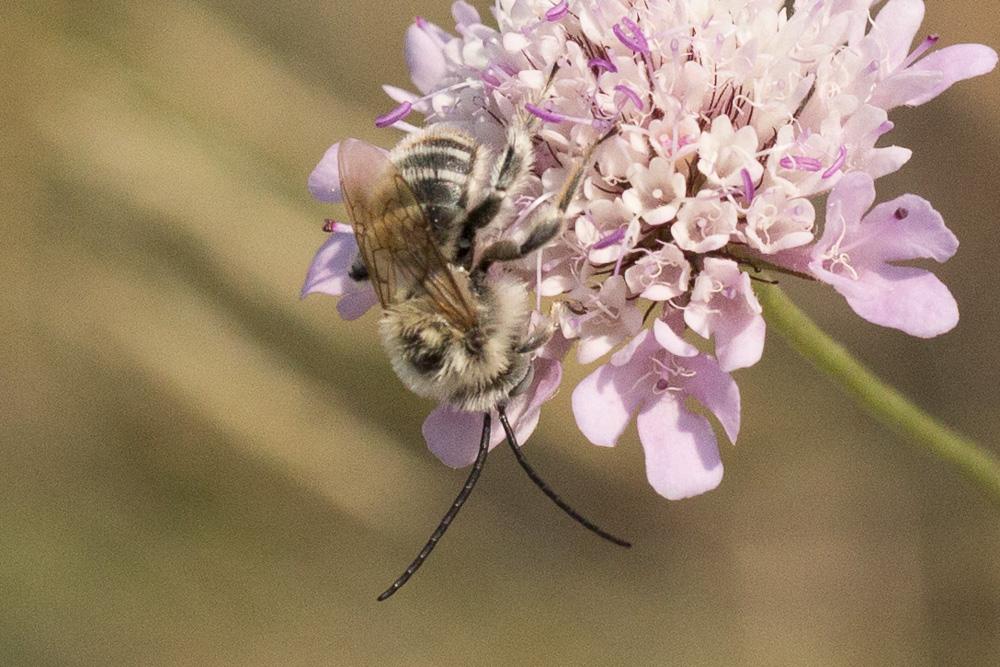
(353, 305)
(908, 228)
(849, 200)
(324, 181)
(954, 63)
(895, 25)
(453, 435)
(716, 390)
(682, 457)
(670, 341)
(853, 256)
(327, 273)
(424, 58)
(604, 401)
(524, 410)
(902, 297)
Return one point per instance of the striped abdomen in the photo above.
(439, 166)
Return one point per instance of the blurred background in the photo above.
(199, 468)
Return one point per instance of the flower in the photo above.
(682, 457)
(728, 120)
(854, 254)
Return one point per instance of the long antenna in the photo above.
(547, 490)
(477, 467)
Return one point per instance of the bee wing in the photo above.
(394, 235)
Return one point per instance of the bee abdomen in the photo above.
(425, 348)
(438, 169)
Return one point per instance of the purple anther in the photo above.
(662, 385)
(900, 213)
(838, 163)
(884, 128)
(394, 116)
(544, 114)
(921, 49)
(557, 12)
(631, 95)
(610, 240)
(602, 64)
(749, 191)
(800, 163)
(633, 39)
(329, 225)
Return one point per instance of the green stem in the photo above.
(979, 465)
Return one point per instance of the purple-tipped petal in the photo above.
(558, 11)
(424, 58)
(328, 274)
(682, 457)
(324, 181)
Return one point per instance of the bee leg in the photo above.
(506, 175)
(507, 250)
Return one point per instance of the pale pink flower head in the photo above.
(730, 121)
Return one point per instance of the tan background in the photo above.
(198, 468)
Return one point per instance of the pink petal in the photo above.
(739, 343)
(604, 401)
(908, 228)
(424, 58)
(324, 181)
(464, 14)
(327, 273)
(853, 195)
(716, 390)
(353, 305)
(896, 24)
(671, 342)
(905, 298)
(524, 410)
(954, 63)
(732, 314)
(902, 297)
(453, 435)
(682, 457)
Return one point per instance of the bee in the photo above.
(454, 331)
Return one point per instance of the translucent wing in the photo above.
(394, 236)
